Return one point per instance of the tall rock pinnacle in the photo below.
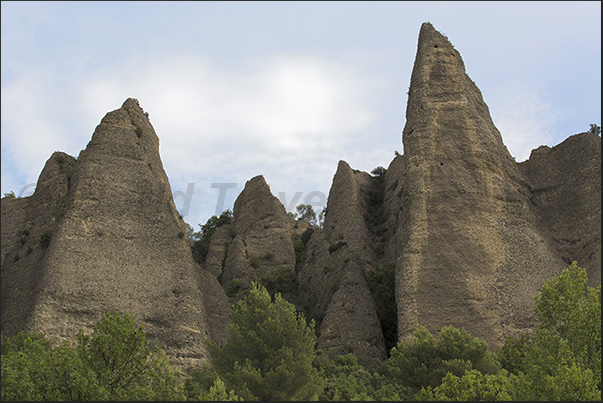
(120, 245)
(472, 257)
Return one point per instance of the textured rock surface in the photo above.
(351, 323)
(471, 233)
(27, 226)
(345, 221)
(121, 246)
(566, 188)
(264, 233)
(470, 253)
(216, 255)
(332, 281)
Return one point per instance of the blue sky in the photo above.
(280, 89)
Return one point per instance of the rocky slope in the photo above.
(454, 232)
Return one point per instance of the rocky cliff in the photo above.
(473, 256)
(454, 232)
(115, 243)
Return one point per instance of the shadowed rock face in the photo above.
(120, 245)
(351, 323)
(333, 278)
(566, 188)
(27, 228)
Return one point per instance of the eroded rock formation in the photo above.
(469, 252)
(468, 234)
(117, 244)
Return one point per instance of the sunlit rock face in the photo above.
(471, 252)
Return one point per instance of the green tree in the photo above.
(306, 213)
(24, 370)
(281, 280)
(192, 235)
(115, 363)
(383, 286)
(423, 362)
(594, 128)
(567, 308)
(552, 374)
(217, 392)
(345, 380)
(561, 359)
(379, 171)
(200, 381)
(472, 386)
(202, 239)
(269, 350)
(126, 364)
(513, 355)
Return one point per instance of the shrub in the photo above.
(379, 171)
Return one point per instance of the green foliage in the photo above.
(345, 380)
(423, 362)
(306, 213)
(270, 354)
(217, 392)
(129, 366)
(200, 380)
(472, 386)
(25, 365)
(561, 360)
(281, 281)
(233, 289)
(566, 308)
(382, 282)
(200, 246)
(269, 350)
(513, 355)
(378, 171)
(321, 216)
(10, 195)
(594, 128)
(191, 234)
(553, 374)
(116, 362)
(300, 243)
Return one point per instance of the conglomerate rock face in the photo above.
(469, 250)
(262, 239)
(566, 188)
(27, 228)
(470, 233)
(119, 245)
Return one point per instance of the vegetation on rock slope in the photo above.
(270, 355)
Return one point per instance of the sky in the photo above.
(280, 89)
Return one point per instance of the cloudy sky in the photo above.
(280, 89)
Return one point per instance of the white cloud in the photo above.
(523, 117)
(288, 118)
